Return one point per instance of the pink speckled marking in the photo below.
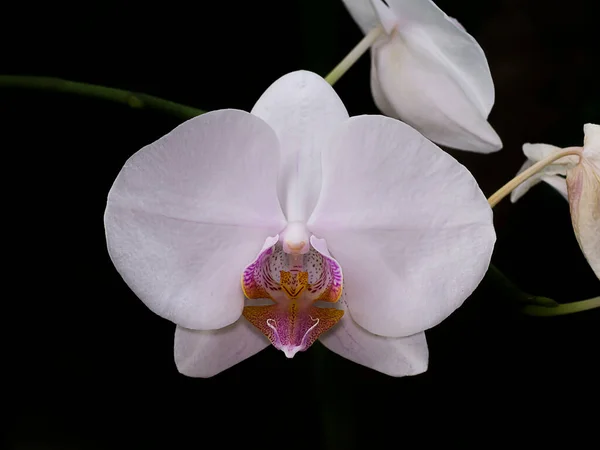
(257, 281)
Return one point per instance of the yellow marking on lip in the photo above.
(293, 284)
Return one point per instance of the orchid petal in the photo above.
(386, 16)
(407, 223)
(457, 23)
(204, 354)
(558, 183)
(425, 93)
(591, 144)
(393, 356)
(537, 152)
(427, 28)
(583, 183)
(430, 73)
(302, 108)
(294, 282)
(363, 13)
(549, 174)
(183, 220)
(379, 96)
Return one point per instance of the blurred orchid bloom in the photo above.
(577, 178)
(427, 71)
(283, 198)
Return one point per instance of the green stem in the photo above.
(562, 309)
(502, 282)
(132, 99)
(535, 305)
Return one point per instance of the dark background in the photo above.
(91, 367)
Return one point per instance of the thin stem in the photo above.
(562, 309)
(354, 55)
(132, 99)
(512, 184)
(535, 305)
(508, 288)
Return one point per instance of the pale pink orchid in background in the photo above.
(357, 231)
(427, 71)
(577, 178)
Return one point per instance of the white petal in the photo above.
(558, 183)
(456, 22)
(393, 356)
(427, 94)
(188, 212)
(548, 174)
(302, 108)
(524, 187)
(408, 224)
(427, 28)
(591, 145)
(537, 152)
(386, 16)
(363, 14)
(206, 353)
(379, 96)
(583, 182)
(431, 74)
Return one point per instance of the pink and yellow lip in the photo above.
(293, 322)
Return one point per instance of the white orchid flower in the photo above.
(577, 177)
(298, 201)
(429, 72)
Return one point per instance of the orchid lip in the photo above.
(294, 282)
(290, 352)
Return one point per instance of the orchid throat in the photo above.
(294, 270)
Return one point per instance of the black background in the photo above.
(91, 367)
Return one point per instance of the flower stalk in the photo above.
(562, 309)
(537, 167)
(354, 55)
(132, 99)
